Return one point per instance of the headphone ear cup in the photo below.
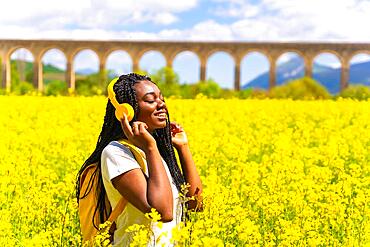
(124, 109)
(129, 111)
(119, 114)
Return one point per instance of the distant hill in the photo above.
(86, 71)
(51, 72)
(49, 68)
(327, 76)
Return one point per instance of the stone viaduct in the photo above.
(136, 49)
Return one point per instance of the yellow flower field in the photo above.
(275, 172)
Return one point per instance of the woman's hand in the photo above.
(138, 134)
(179, 137)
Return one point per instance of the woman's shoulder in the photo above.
(116, 148)
(117, 159)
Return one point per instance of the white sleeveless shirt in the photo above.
(117, 159)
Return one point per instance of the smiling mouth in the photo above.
(161, 116)
(160, 113)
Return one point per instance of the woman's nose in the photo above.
(161, 103)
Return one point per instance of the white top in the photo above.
(117, 159)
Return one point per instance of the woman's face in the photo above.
(153, 110)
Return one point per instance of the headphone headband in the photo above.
(112, 94)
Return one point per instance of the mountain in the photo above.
(360, 73)
(328, 77)
(86, 71)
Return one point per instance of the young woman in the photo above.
(120, 174)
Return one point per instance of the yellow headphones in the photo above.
(120, 108)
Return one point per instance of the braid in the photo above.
(164, 143)
(112, 131)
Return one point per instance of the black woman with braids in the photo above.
(120, 174)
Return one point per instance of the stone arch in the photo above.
(358, 52)
(27, 76)
(211, 52)
(174, 54)
(335, 53)
(45, 80)
(294, 70)
(106, 54)
(10, 51)
(327, 76)
(187, 78)
(152, 53)
(74, 52)
(298, 52)
(210, 71)
(80, 71)
(75, 55)
(43, 51)
(263, 52)
(61, 52)
(122, 68)
(145, 50)
(260, 77)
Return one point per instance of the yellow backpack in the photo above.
(87, 203)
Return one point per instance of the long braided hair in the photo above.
(112, 131)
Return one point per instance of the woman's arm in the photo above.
(154, 192)
(180, 142)
(191, 176)
(145, 193)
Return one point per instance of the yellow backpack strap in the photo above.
(139, 156)
(118, 209)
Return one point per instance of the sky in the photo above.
(203, 20)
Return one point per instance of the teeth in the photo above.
(162, 115)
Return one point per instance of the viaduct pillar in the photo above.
(237, 73)
(5, 69)
(70, 75)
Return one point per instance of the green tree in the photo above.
(141, 72)
(210, 88)
(56, 87)
(29, 76)
(167, 80)
(17, 86)
(14, 76)
(1, 70)
(303, 88)
(187, 91)
(360, 92)
(93, 84)
(24, 87)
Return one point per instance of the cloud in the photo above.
(237, 9)
(206, 30)
(265, 20)
(164, 18)
(360, 58)
(107, 14)
(303, 20)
